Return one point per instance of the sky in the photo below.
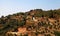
(14, 6)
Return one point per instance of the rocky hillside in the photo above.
(35, 22)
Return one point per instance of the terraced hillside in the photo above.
(35, 22)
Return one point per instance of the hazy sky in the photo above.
(14, 6)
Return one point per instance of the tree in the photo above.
(26, 34)
(21, 34)
(57, 33)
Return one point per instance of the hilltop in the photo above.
(37, 21)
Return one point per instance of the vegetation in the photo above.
(12, 22)
(57, 33)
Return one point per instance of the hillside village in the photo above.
(35, 22)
